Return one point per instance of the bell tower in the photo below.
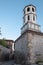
(29, 19)
(30, 14)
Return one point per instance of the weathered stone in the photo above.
(31, 43)
(3, 52)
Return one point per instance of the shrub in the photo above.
(2, 42)
(11, 56)
(6, 57)
(40, 61)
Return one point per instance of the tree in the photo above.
(3, 42)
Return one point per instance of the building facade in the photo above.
(9, 44)
(31, 40)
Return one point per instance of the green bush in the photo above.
(4, 57)
(40, 61)
(3, 43)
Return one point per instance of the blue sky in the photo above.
(11, 16)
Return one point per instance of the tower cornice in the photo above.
(30, 13)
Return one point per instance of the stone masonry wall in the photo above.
(21, 44)
(36, 47)
(32, 45)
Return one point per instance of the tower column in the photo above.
(29, 23)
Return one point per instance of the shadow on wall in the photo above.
(20, 58)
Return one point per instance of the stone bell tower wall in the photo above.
(21, 43)
(35, 44)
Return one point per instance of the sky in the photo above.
(11, 16)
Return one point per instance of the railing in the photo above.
(30, 26)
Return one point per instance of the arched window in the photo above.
(28, 17)
(33, 9)
(33, 17)
(28, 9)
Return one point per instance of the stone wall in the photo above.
(31, 44)
(21, 44)
(3, 52)
(37, 47)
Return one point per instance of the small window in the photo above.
(28, 9)
(33, 9)
(34, 18)
(28, 18)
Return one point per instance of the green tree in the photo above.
(3, 42)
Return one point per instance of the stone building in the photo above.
(9, 43)
(31, 40)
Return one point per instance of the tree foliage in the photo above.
(3, 42)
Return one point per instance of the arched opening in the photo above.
(33, 9)
(28, 9)
(33, 17)
(28, 17)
